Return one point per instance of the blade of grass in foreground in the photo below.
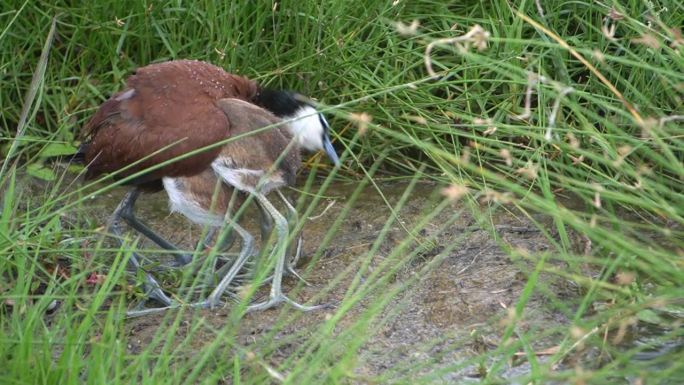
(36, 83)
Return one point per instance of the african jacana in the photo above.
(172, 108)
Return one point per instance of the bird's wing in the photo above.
(270, 148)
(168, 109)
(129, 129)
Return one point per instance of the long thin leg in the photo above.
(265, 223)
(152, 288)
(214, 298)
(293, 223)
(266, 227)
(206, 242)
(225, 245)
(129, 216)
(228, 241)
(247, 238)
(279, 252)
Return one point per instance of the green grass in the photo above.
(604, 130)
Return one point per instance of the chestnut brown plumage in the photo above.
(170, 104)
(173, 108)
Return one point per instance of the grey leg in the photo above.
(279, 252)
(228, 241)
(214, 298)
(265, 222)
(225, 245)
(246, 238)
(152, 288)
(206, 242)
(129, 216)
(266, 227)
(293, 223)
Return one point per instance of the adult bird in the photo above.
(170, 109)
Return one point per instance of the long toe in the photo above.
(206, 304)
(274, 301)
(153, 291)
(266, 305)
(301, 307)
(180, 261)
(147, 311)
(140, 310)
(156, 294)
(289, 270)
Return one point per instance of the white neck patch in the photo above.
(307, 128)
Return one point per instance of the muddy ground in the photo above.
(455, 312)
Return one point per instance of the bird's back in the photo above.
(168, 109)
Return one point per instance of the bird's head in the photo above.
(307, 125)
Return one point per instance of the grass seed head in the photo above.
(407, 29)
(454, 192)
(647, 39)
(362, 120)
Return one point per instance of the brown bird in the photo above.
(171, 109)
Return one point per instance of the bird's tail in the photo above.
(76, 158)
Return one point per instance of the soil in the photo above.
(458, 307)
(445, 305)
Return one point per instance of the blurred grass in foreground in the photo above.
(547, 102)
